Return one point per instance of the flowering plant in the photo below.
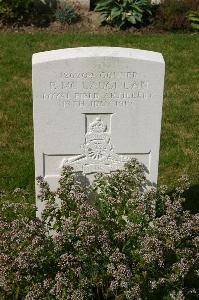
(116, 239)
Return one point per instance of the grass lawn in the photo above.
(180, 124)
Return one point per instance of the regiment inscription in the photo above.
(113, 88)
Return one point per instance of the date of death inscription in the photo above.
(97, 89)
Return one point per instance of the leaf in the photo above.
(103, 5)
(195, 26)
(125, 2)
(121, 24)
(139, 19)
(194, 19)
(123, 16)
(17, 293)
(194, 13)
(138, 9)
(115, 12)
(103, 18)
(131, 19)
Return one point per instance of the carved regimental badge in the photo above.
(97, 152)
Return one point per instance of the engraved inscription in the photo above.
(100, 89)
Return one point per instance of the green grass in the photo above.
(180, 125)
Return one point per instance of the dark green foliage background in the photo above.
(172, 15)
(27, 12)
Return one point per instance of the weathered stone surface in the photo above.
(96, 107)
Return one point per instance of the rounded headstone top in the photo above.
(84, 52)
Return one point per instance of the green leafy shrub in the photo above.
(66, 14)
(26, 12)
(172, 14)
(15, 10)
(124, 13)
(193, 17)
(113, 240)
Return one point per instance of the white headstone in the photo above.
(95, 108)
(156, 1)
